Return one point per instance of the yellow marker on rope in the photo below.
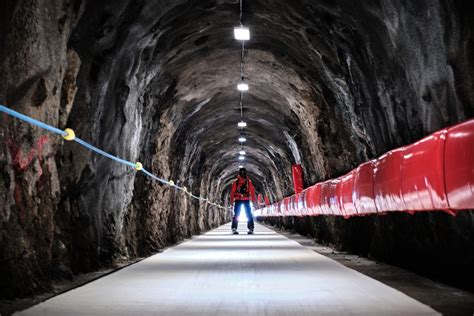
(70, 135)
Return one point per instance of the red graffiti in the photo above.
(21, 163)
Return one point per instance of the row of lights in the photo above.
(242, 34)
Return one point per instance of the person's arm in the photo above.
(252, 192)
(232, 193)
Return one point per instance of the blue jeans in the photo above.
(248, 212)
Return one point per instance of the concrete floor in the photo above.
(222, 274)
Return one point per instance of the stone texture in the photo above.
(33, 48)
(332, 84)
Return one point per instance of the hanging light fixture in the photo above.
(243, 87)
(240, 166)
(241, 33)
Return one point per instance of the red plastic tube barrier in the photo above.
(363, 189)
(267, 200)
(435, 173)
(300, 204)
(346, 188)
(324, 206)
(423, 185)
(388, 181)
(459, 166)
(297, 172)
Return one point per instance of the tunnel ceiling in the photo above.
(193, 44)
(332, 84)
(316, 77)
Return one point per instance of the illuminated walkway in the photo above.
(222, 274)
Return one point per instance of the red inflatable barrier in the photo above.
(301, 204)
(333, 199)
(272, 210)
(293, 205)
(338, 196)
(306, 201)
(277, 209)
(422, 182)
(285, 207)
(313, 199)
(267, 200)
(363, 194)
(297, 178)
(435, 173)
(325, 206)
(345, 194)
(317, 198)
(296, 209)
(459, 166)
(388, 181)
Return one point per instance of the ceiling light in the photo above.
(241, 157)
(242, 152)
(243, 87)
(242, 139)
(242, 124)
(242, 33)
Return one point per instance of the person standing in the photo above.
(242, 192)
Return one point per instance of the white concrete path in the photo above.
(222, 274)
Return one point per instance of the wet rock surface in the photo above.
(332, 84)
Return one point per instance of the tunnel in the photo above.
(122, 133)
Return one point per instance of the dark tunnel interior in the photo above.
(332, 85)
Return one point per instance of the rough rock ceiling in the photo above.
(332, 84)
(326, 79)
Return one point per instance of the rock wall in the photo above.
(36, 67)
(332, 84)
(65, 210)
(407, 76)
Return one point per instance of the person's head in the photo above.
(243, 172)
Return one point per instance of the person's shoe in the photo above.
(250, 232)
(234, 231)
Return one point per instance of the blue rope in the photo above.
(173, 185)
(103, 153)
(30, 120)
(53, 129)
(155, 177)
